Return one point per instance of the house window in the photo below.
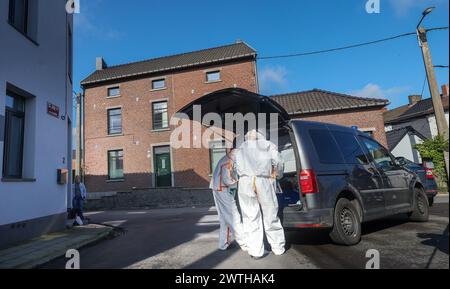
(114, 121)
(216, 152)
(160, 115)
(158, 84)
(114, 91)
(14, 136)
(23, 16)
(18, 15)
(115, 165)
(213, 76)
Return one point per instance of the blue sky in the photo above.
(126, 31)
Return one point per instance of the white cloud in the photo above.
(272, 78)
(403, 7)
(85, 26)
(375, 91)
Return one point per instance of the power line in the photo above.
(348, 46)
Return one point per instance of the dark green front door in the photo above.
(163, 170)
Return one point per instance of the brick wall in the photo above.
(367, 119)
(191, 167)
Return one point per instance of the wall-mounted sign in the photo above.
(52, 110)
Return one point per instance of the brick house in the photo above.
(127, 109)
(330, 107)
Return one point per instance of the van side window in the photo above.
(326, 147)
(351, 150)
(379, 154)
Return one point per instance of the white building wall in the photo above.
(42, 71)
(433, 124)
(405, 148)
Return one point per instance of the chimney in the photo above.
(413, 99)
(445, 90)
(100, 63)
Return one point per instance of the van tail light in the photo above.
(429, 173)
(308, 182)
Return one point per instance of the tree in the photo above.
(433, 149)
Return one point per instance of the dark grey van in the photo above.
(335, 177)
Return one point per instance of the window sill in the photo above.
(161, 130)
(10, 180)
(158, 89)
(115, 135)
(23, 34)
(115, 181)
(211, 82)
(112, 97)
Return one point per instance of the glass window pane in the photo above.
(14, 144)
(115, 164)
(351, 150)
(160, 115)
(115, 121)
(159, 84)
(326, 147)
(10, 102)
(213, 76)
(379, 154)
(15, 103)
(18, 14)
(113, 91)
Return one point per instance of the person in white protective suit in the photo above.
(224, 187)
(259, 164)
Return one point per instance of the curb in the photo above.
(73, 240)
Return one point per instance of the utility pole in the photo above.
(78, 136)
(432, 84)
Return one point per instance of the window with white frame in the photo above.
(213, 76)
(158, 84)
(160, 115)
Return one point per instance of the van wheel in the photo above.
(347, 224)
(421, 207)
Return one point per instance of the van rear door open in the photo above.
(236, 100)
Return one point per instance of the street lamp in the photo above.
(424, 14)
(439, 113)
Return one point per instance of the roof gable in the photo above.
(394, 137)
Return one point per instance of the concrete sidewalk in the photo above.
(49, 247)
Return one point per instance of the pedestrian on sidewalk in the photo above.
(224, 187)
(79, 197)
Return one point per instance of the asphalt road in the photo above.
(187, 239)
(400, 243)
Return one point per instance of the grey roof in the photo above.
(424, 107)
(395, 113)
(180, 61)
(318, 100)
(394, 137)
